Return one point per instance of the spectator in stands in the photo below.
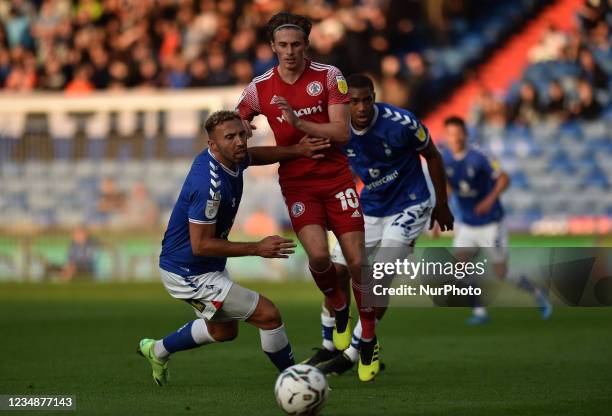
(81, 256)
(488, 110)
(592, 12)
(178, 77)
(18, 25)
(139, 210)
(120, 77)
(417, 80)
(526, 110)
(23, 75)
(393, 86)
(217, 65)
(111, 201)
(100, 60)
(242, 71)
(590, 70)
(556, 107)
(53, 77)
(81, 83)
(80, 263)
(264, 58)
(198, 73)
(549, 48)
(586, 107)
(599, 37)
(148, 74)
(5, 65)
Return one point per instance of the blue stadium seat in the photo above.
(561, 162)
(596, 179)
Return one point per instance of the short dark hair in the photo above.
(455, 121)
(284, 18)
(219, 117)
(360, 81)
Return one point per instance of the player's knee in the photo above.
(319, 261)
(354, 263)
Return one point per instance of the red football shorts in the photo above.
(335, 206)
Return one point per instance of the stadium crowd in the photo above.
(80, 46)
(568, 77)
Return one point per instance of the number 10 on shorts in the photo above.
(348, 199)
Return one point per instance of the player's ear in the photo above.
(211, 144)
(272, 46)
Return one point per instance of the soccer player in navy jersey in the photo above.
(385, 150)
(195, 248)
(477, 183)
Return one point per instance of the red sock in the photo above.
(327, 281)
(367, 314)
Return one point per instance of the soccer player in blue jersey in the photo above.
(385, 150)
(477, 183)
(196, 247)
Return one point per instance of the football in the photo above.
(301, 390)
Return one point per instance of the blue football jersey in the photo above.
(386, 158)
(472, 178)
(210, 195)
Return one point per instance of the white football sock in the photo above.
(200, 334)
(273, 340)
(160, 351)
(328, 322)
(352, 352)
(479, 311)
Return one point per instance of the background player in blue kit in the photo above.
(477, 184)
(385, 151)
(195, 248)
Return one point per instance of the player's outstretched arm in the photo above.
(310, 147)
(204, 243)
(486, 204)
(435, 164)
(337, 130)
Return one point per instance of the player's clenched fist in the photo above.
(275, 247)
(311, 147)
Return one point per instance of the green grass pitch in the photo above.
(80, 339)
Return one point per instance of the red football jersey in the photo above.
(318, 87)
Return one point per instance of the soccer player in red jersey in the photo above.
(300, 97)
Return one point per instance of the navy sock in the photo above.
(327, 332)
(283, 358)
(180, 340)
